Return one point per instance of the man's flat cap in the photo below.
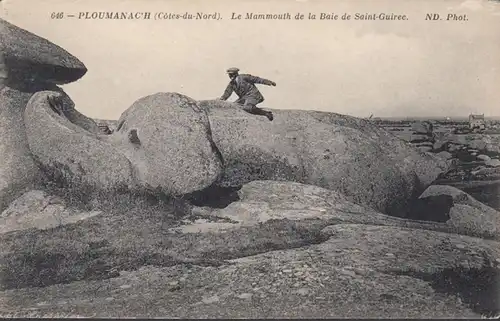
(232, 70)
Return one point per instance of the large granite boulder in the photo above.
(17, 169)
(364, 162)
(28, 63)
(463, 211)
(162, 143)
(29, 57)
(69, 154)
(168, 139)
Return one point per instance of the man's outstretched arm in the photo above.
(258, 80)
(227, 93)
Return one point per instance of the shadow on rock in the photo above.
(214, 196)
(433, 208)
(476, 287)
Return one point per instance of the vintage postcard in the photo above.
(250, 159)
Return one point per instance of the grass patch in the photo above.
(101, 246)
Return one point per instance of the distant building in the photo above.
(477, 121)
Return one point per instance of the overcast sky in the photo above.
(386, 68)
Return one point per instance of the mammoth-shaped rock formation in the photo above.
(164, 143)
(172, 143)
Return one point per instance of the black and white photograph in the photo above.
(250, 159)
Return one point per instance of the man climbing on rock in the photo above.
(249, 96)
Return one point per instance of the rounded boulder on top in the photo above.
(168, 140)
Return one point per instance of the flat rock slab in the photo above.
(361, 271)
(263, 201)
(36, 209)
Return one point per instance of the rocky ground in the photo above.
(475, 157)
(281, 250)
(197, 209)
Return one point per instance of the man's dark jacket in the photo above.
(244, 86)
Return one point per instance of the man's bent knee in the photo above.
(248, 108)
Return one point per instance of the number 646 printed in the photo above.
(57, 15)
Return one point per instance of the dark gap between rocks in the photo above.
(488, 194)
(478, 288)
(433, 208)
(214, 196)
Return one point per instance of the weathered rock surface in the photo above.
(466, 213)
(163, 141)
(421, 138)
(106, 126)
(262, 201)
(333, 151)
(483, 143)
(361, 271)
(17, 169)
(484, 158)
(74, 116)
(28, 63)
(439, 145)
(68, 153)
(492, 163)
(168, 139)
(36, 209)
(422, 127)
(445, 155)
(314, 264)
(30, 58)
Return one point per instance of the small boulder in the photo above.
(454, 147)
(477, 144)
(444, 155)
(439, 145)
(493, 148)
(420, 138)
(466, 213)
(422, 127)
(492, 163)
(484, 158)
(424, 148)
